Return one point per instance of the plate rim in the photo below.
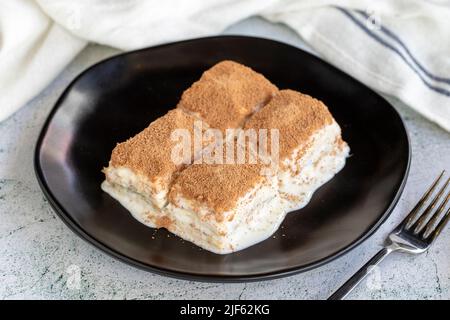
(64, 215)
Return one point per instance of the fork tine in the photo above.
(434, 219)
(412, 215)
(440, 226)
(421, 222)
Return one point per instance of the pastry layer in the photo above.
(295, 115)
(307, 168)
(307, 134)
(144, 163)
(227, 94)
(245, 195)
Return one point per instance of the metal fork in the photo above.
(414, 234)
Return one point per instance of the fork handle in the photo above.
(351, 283)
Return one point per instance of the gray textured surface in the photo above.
(37, 250)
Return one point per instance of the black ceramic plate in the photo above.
(120, 96)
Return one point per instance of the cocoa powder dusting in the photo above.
(227, 94)
(297, 116)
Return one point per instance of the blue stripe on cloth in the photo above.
(394, 37)
(391, 47)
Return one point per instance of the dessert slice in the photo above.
(143, 166)
(229, 206)
(224, 208)
(227, 94)
(311, 149)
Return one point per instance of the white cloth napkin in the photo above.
(398, 47)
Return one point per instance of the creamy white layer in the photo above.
(300, 175)
(154, 192)
(139, 206)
